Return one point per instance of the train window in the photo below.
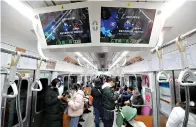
(40, 95)
(11, 118)
(65, 83)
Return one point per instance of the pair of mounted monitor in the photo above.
(99, 24)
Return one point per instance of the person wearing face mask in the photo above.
(108, 101)
(75, 105)
(53, 107)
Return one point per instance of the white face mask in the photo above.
(58, 85)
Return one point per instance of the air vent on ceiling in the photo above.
(102, 66)
(102, 55)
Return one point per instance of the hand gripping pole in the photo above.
(161, 72)
(37, 78)
(12, 74)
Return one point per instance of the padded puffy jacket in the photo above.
(53, 108)
(76, 104)
(176, 118)
(108, 97)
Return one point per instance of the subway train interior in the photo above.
(141, 48)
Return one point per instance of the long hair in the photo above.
(54, 82)
(74, 87)
(97, 82)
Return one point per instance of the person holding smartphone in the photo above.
(53, 105)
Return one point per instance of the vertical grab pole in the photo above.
(37, 78)
(69, 79)
(184, 75)
(18, 101)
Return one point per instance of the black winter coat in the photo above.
(97, 97)
(53, 108)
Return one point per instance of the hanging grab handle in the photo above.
(182, 49)
(15, 91)
(186, 72)
(161, 73)
(184, 75)
(37, 78)
(12, 74)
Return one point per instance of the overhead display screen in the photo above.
(66, 27)
(126, 25)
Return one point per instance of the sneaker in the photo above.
(79, 125)
(81, 120)
(87, 111)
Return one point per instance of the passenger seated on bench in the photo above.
(177, 115)
(136, 99)
(126, 95)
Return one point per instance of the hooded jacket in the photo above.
(176, 118)
(76, 104)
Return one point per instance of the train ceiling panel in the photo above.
(10, 16)
(36, 4)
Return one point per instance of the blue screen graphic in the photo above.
(126, 25)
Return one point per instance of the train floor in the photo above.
(89, 120)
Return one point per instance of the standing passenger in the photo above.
(97, 100)
(75, 105)
(109, 99)
(53, 111)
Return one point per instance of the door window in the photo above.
(40, 95)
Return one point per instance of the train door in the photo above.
(72, 80)
(167, 98)
(37, 110)
(9, 113)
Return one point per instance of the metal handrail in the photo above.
(69, 79)
(182, 37)
(141, 105)
(4, 50)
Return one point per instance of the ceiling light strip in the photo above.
(80, 55)
(119, 58)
